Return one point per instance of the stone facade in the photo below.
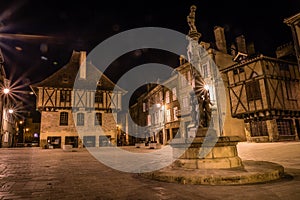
(78, 115)
(7, 120)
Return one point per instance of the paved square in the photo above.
(34, 173)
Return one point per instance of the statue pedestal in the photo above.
(213, 160)
(209, 152)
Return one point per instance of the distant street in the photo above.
(34, 173)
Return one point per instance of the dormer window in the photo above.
(65, 78)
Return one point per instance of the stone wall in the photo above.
(50, 126)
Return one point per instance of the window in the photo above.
(144, 107)
(253, 91)
(206, 72)
(235, 71)
(238, 70)
(285, 127)
(80, 119)
(149, 120)
(99, 97)
(175, 109)
(98, 119)
(63, 119)
(156, 117)
(185, 102)
(258, 128)
(241, 69)
(65, 96)
(168, 115)
(168, 96)
(65, 78)
(174, 94)
(160, 96)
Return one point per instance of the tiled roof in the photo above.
(66, 76)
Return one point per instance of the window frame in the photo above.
(167, 96)
(64, 119)
(65, 96)
(253, 90)
(174, 94)
(97, 121)
(80, 119)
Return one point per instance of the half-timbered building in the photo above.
(264, 92)
(81, 114)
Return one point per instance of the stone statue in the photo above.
(191, 19)
(200, 98)
(200, 102)
(207, 108)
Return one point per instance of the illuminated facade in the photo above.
(66, 110)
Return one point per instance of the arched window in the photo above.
(63, 119)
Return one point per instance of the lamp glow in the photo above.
(206, 87)
(6, 90)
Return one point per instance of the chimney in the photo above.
(241, 44)
(220, 39)
(82, 62)
(250, 48)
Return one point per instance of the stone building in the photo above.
(7, 117)
(81, 114)
(177, 111)
(155, 114)
(262, 93)
(29, 128)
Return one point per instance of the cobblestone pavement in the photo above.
(34, 173)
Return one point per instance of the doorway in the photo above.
(72, 140)
(54, 141)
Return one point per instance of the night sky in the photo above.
(82, 25)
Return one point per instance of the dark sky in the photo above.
(82, 25)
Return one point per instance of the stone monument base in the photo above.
(213, 160)
(206, 152)
(252, 172)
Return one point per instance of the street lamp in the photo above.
(3, 107)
